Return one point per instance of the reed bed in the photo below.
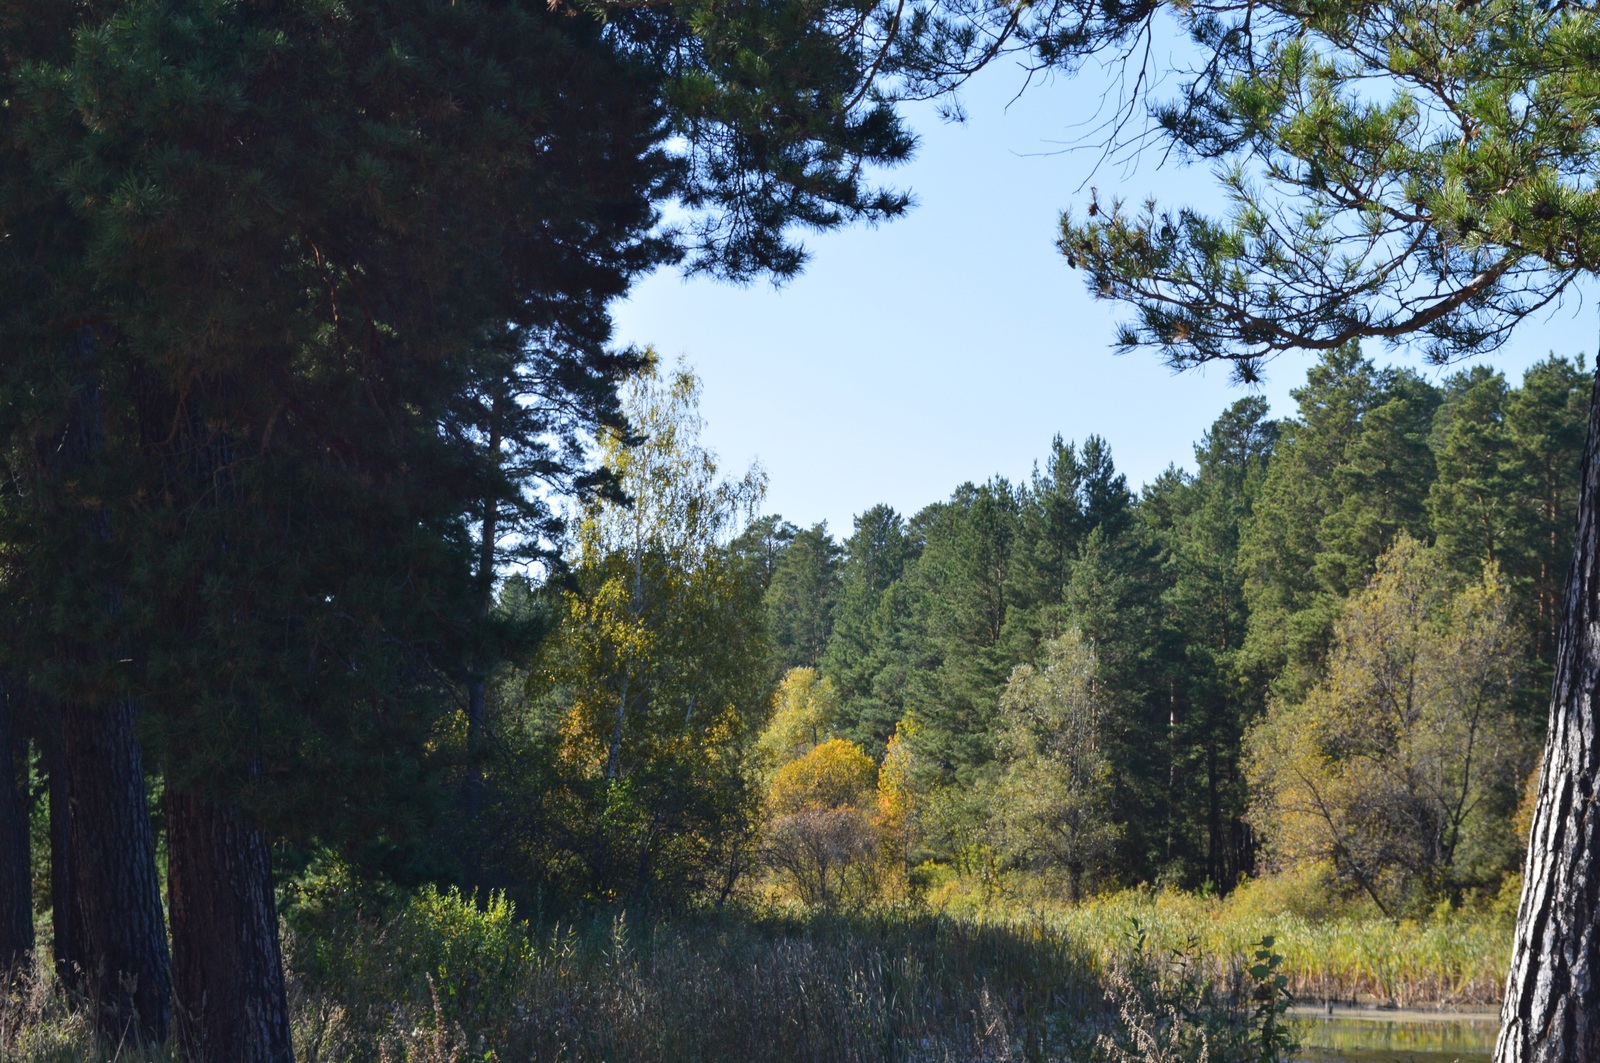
(1451, 962)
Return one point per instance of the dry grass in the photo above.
(772, 990)
(440, 980)
(39, 1025)
(1452, 960)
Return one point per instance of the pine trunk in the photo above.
(127, 973)
(16, 870)
(65, 923)
(1552, 1004)
(227, 966)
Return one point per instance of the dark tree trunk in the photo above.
(65, 922)
(16, 868)
(1552, 1004)
(226, 960)
(127, 972)
(477, 693)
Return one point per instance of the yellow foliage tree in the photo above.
(656, 667)
(836, 774)
(824, 841)
(804, 710)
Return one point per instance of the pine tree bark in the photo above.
(65, 923)
(16, 868)
(1552, 1002)
(231, 1002)
(126, 969)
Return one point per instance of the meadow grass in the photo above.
(777, 987)
(438, 979)
(1452, 960)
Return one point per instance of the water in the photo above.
(1398, 1037)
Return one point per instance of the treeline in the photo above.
(1205, 597)
(1327, 648)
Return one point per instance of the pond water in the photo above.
(1396, 1037)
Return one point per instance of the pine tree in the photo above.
(302, 234)
(1447, 205)
(1207, 619)
(800, 599)
(875, 557)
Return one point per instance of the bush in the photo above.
(1171, 1010)
(441, 967)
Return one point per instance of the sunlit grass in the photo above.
(1452, 960)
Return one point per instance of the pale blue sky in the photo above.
(952, 344)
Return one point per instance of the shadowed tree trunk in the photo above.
(16, 870)
(108, 894)
(227, 959)
(225, 950)
(65, 923)
(127, 973)
(1552, 1002)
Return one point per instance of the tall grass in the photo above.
(435, 978)
(39, 1025)
(896, 986)
(1455, 960)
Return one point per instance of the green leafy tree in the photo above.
(805, 711)
(1051, 808)
(1401, 766)
(656, 672)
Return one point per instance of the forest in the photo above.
(1295, 691)
(389, 671)
(1326, 647)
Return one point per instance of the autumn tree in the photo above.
(822, 838)
(656, 674)
(1402, 764)
(805, 713)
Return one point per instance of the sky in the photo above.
(952, 344)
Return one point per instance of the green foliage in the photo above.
(627, 774)
(1171, 1009)
(888, 986)
(1050, 811)
(1402, 764)
(863, 656)
(438, 954)
(800, 599)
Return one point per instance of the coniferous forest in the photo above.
(389, 670)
